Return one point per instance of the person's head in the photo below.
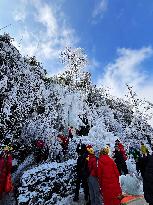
(108, 148)
(142, 143)
(104, 151)
(90, 149)
(7, 150)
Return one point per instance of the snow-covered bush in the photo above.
(33, 105)
(47, 183)
(131, 184)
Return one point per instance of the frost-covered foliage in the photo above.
(47, 183)
(132, 183)
(21, 168)
(22, 89)
(33, 105)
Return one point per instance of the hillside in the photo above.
(34, 105)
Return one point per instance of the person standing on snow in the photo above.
(64, 141)
(108, 175)
(120, 162)
(121, 147)
(94, 190)
(82, 173)
(148, 181)
(143, 161)
(144, 149)
(5, 172)
(136, 155)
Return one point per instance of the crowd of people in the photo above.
(99, 176)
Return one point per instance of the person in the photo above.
(143, 161)
(136, 155)
(120, 162)
(82, 174)
(39, 146)
(108, 148)
(5, 172)
(70, 132)
(94, 190)
(121, 147)
(148, 180)
(108, 175)
(144, 149)
(64, 140)
(78, 149)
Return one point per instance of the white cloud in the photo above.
(93, 65)
(100, 9)
(20, 14)
(49, 34)
(128, 68)
(46, 17)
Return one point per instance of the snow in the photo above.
(33, 105)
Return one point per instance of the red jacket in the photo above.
(64, 139)
(5, 169)
(92, 165)
(121, 147)
(40, 144)
(109, 180)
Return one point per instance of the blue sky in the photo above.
(117, 36)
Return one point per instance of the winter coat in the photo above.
(143, 161)
(148, 181)
(121, 147)
(40, 144)
(109, 180)
(136, 154)
(120, 162)
(144, 149)
(92, 165)
(5, 170)
(64, 140)
(82, 166)
(118, 157)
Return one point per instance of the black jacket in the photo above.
(143, 164)
(148, 180)
(119, 160)
(82, 165)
